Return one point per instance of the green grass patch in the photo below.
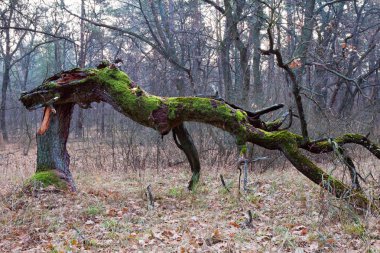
(176, 192)
(111, 225)
(355, 229)
(94, 210)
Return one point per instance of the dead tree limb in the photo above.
(163, 114)
(346, 160)
(295, 83)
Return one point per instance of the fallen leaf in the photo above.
(234, 224)
(111, 212)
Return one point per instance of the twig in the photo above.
(216, 6)
(81, 236)
(38, 31)
(224, 183)
(268, 109)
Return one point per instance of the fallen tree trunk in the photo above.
(108, 84)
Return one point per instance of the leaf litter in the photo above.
(109, 214)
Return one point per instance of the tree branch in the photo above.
(37, 31)
(32, 50)
(329, 3)
(159, 49)
(217, 7)
(293, 78)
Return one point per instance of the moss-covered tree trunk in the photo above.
(53, 159)
(164, 114)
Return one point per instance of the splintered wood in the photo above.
(45, 121)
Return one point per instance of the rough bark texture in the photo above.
(52, 154)
(163, 114)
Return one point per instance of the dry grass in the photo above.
(109, 213)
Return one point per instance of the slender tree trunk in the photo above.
(57, 57)
(225, 48)
(226, 68)
(4, 88)
(221, 83)
(79, 131)
(246, 76)
(24, 115)
(257, 84)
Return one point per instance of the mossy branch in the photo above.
(325, 145)
(163, 114)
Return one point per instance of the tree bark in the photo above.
(52, 155)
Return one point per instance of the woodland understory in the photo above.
(109, 212)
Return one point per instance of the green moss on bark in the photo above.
(241, 115)
(243, 150)
(273, 125)
(133, 101)
(356, 198)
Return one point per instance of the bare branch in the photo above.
(217, 7)
(159, 49)
(330, 3)
(37, 31)
(32, 50)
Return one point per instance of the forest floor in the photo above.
(109, 213)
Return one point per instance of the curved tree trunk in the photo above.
(163, 114)
(183, 140)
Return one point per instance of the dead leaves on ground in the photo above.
(108, 218)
